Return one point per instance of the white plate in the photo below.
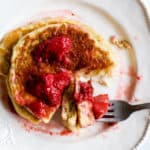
(126, 20)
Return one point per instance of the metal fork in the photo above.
(120, 110)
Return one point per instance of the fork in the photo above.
(119, 110)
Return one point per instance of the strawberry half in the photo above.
(100, 105)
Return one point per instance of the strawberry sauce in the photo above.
(52, 49)
(48, 88)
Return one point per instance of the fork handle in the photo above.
(141, 106)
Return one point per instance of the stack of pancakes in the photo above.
(16, 64)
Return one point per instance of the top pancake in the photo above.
(16, 62)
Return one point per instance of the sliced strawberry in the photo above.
(100, 105)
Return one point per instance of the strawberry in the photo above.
(54, 85)
(100, 105)
(52, 49)
(60, 46)
(38, 108)
(85, 92)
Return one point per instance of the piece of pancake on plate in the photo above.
(40, 61)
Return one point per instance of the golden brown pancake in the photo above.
(89, 53)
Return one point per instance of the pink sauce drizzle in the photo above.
(131, 73)
(52, 128)
(136, 37)
(119, 93)
(124, 89)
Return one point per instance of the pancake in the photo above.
(89, 54)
